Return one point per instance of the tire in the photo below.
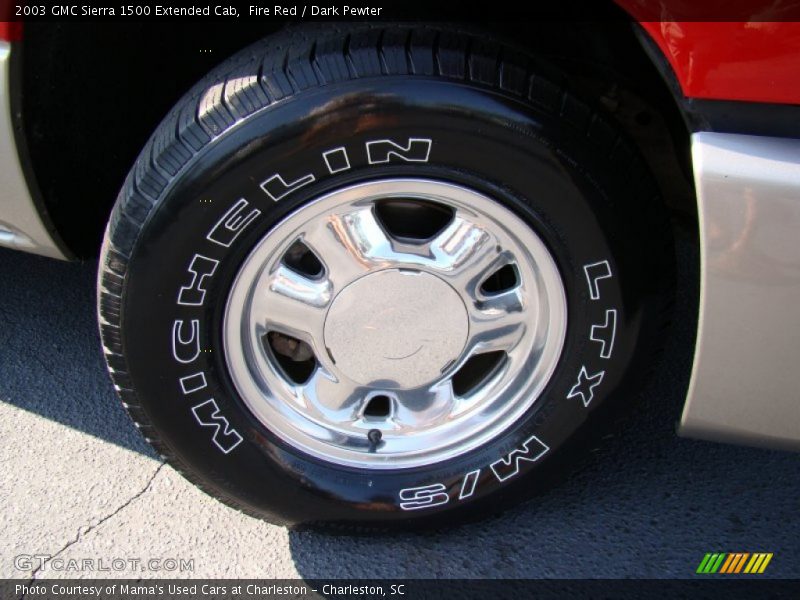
(283, 127)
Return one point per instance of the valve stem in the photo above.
(374, 436)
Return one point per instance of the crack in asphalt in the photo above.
(58, 378)
(82, 532)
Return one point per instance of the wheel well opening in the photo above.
(85, 125)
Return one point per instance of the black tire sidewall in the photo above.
(527, 160)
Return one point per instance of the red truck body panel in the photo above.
(748, 61)
(10, 31)
(749, 51)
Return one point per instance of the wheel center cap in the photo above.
(396, 329)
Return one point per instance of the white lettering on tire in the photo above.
(425, 496)
(469, 483)
(604, 334)
(585, 385)
(532, 450)
(594, 273)
(382, 151)
(193, 383)
(225, 437)
(435, 494)
(232, 224)
(185, 347)
(336, 160)
(276, 187)
(200, 269)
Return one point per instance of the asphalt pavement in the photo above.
(78, 482)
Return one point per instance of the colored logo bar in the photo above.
(734, 562)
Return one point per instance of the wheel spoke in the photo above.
(467, 254)
(417, 408)
(348, 245)
(292, 303)
(499, 323)
(331, 399)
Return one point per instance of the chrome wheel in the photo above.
(395, 324)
